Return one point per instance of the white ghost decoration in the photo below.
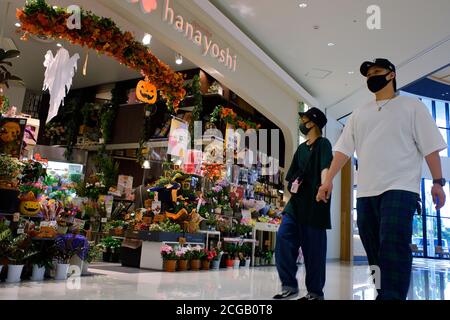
(58, 78)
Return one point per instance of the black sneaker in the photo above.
(312, 297)
(286, 295)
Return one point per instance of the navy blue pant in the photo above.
(385, 226)
(291, 236)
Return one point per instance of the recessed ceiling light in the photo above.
(303, 5)
(178, 58)
(331, 44)
(18, 25)
(59, 45)
(147, 39)
(351, 72)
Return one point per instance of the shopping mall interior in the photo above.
(101, 103)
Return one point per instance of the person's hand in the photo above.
(324, 192)
(438, 194)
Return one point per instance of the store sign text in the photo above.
(192, 32)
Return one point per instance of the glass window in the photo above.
(441, 118)
(428, 103)
(429, 205)
(445, 230)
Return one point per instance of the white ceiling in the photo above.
(286, 33)
(442, 76)
(101, 68)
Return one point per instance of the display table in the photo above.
(263, 227)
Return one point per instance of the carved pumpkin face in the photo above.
(146, 92)
(29, 208)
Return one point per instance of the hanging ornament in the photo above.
(146, 92)
(58, 78)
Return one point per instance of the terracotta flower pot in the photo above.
(230, 263)
(171, 265)
(182, 265)
(205, 264)
(195, 265)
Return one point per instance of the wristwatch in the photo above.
(440, 182)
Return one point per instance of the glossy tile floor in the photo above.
(430, 280)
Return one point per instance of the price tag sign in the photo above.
(7, 223)
(44, 224)
(20, 231)
(16, 217)
(104, 220)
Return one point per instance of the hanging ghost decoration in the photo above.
(58, 78)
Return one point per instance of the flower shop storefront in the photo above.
(154, 169)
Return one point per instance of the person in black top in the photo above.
(305, 219)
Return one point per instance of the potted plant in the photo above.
(10, 169)
(19, 252)
(230, 250)
(237, 259)
(196, 255)
(206, 257)
(5, 238)
(42, 261)
(94, 253)
(111, 248)
(269, 258)
(169, 257)
(183, 255)
(67, 246)
(217, 259)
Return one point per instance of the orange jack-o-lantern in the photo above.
(29, 205)
(146, 92)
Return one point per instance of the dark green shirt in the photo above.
(303, 206)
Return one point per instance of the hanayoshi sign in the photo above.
(192, 32)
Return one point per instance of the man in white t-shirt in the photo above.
(391, 136)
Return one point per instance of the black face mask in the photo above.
(304, 129)
(377, 83)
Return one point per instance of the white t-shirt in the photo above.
(390, 144)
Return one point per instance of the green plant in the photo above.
(198, 103)
(10, 167)
(108, 167)
(20, 250)
(94, 253)
(166, 226)
(44, 256)
(5, 239)
(5, 75)
(216, 115)
(32, 172)
(111, 243)
(108, 115)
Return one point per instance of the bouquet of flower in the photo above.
(168, 253)
(69, 245)
(208, 255)
(196, 252)
(183, 253)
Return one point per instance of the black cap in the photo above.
(380, 62)
(316, 116)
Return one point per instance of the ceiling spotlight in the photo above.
(18, 24)
(351, 72)
(331, 44)
(178, 58)
(59, 45)
(303, 5)
(147, 39)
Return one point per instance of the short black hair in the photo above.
(395, 83)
